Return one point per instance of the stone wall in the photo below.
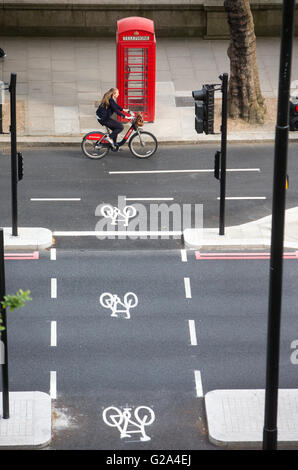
(203, 18)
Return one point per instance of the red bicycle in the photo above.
(142, 144)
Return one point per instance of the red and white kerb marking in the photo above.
(21, 256)
(215, 256)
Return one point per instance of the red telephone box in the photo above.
(136, 58)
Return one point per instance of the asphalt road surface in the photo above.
(128, 335)
(197, 325)
(179, 177)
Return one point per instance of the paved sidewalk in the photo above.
(28, 238)
(236, 418)
(60, 80)
(255, 234)
(29, 422)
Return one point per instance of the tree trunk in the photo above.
(245, 99)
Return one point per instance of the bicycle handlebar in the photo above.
(131, 114)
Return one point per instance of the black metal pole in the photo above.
(1, 105)
(1, 125)
(224, 118)
(5, 386)
(277, 230)
(14, 170)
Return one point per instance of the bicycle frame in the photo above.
(132, 128)
(101, 137)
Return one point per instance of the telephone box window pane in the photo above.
(136, 60)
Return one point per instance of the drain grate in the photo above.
(184, 101)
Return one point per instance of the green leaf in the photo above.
(1, 327)
(15, 301)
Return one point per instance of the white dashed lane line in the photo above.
(192, 333)
(149, 172)
(53, 384)
(187, 287)
(53, 333)
(54, 199)
(184, 256)
(243, 198)
(53, 288)
(53, 340)
(149, 199)
(198, 382)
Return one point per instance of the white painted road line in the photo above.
(244, 198)
(53, 333)
(184, 256)
(54, 199)
(198, 381)
(149, 199)
(53, 288)
(187, 287)
(53, 254)
(177, 171)
(117, 233)
(192, 333)
(53, 384)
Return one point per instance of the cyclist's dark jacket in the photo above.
(104, 113)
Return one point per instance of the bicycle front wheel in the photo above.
(94, 149)
(112, 416)
(143, 144)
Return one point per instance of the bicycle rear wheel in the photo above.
(143, 144)
(94, 148)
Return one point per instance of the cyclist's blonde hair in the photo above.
(107, 96)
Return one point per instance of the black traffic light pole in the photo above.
(3, 337)
(277, 231)
(204, 121)
(1, 104)
(14, 166)
(223, 152)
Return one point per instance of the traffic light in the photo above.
(294, 114)
(20, 166)
(199, 119)
(204, 109)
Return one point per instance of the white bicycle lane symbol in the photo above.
(112, 301)
(144, 416)
(115, 214)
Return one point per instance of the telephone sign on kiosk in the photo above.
(136, 65)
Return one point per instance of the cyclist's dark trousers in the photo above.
(115, 126)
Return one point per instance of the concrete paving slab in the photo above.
(29, 422)
(256, 233)
(195, 239)
(236, 418)
(31, 238)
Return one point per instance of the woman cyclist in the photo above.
(104, 112)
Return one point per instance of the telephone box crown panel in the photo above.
(136, 65)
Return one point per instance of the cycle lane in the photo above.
(143, 361)
(29, 326)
